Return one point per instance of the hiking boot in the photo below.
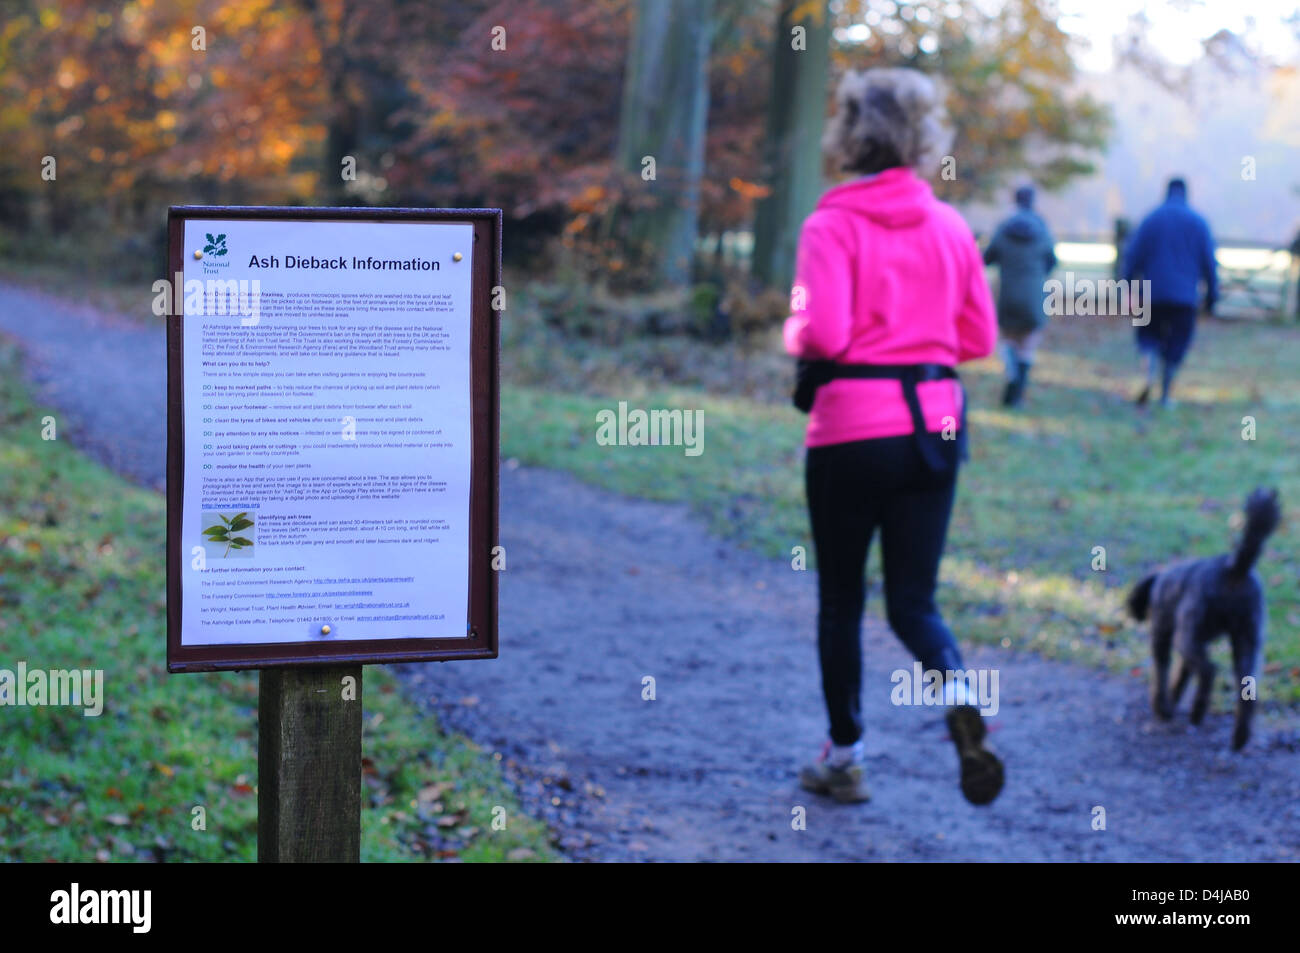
(845, 783)
(981, 771)
(1022, 381)
(1014, 393)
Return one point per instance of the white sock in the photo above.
(842, 755)
(958, 692)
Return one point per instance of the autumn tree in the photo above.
(149, 105)
(1010, 80)
(517, 112)
(662, 136)
(792, 154)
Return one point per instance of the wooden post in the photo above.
(1122, 229)
(309, 765)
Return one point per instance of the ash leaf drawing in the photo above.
(222, 532)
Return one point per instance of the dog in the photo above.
(1192, 603)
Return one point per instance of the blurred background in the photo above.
(654, 160)
(547, 108)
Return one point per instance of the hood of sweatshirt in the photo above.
(1022, 227)
(895, 198)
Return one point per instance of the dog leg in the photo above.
(1204, 683)
(1162, 637)
(1246, 641)
(1182, 675)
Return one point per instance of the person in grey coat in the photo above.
(1022, 248)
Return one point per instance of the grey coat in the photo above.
(1022, 248)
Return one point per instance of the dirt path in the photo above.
(602, 591)
(106, 375)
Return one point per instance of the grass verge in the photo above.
(82, 586)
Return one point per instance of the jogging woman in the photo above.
(889, 297)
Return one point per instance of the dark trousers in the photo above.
(1169, 333)
(853, 489)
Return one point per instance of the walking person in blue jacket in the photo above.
(1023, 250)
(1174, 250)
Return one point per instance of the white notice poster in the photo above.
(327, 431)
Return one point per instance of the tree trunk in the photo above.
(792, 153)
(342, 122)
(665, 105)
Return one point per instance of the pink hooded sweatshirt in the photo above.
(887, 274)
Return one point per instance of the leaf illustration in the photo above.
(221, 238)
(211, 240)
(239, 542)
(215, 531)
(209, 249)
(220, 252)
(239, 524)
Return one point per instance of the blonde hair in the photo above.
(885, 118)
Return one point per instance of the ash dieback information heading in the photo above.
(341, 262)
(327, 462)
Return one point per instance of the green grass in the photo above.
(82, 586)
(1076, 469)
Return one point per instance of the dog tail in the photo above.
(1139, 599)
(1262, 516)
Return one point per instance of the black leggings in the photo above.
(852, 489)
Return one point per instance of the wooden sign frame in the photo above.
(481, 624)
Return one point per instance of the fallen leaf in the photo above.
(433, 792)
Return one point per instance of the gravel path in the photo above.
(602, 591)
(106, 375)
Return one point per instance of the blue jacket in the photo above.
(1173, 248)
(1022, 248)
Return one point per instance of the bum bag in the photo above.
(810, 375)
